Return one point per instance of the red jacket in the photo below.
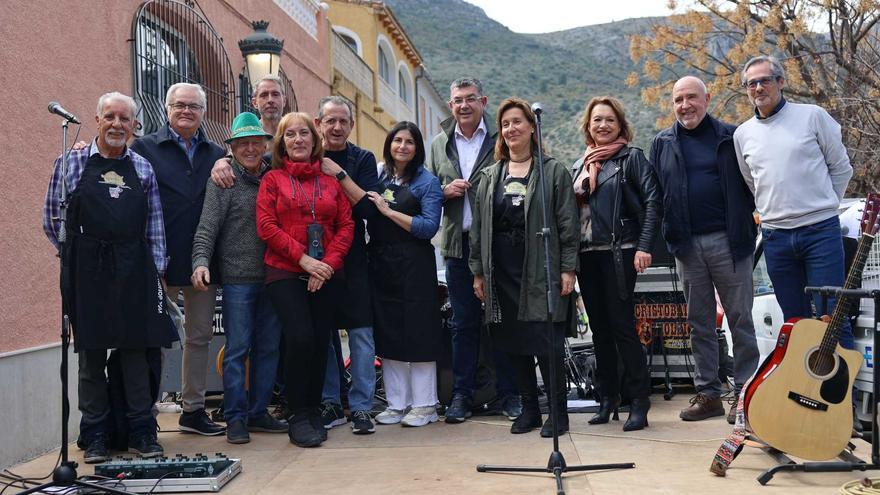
(283, 215)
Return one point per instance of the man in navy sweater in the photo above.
(709, 228)
(182, 156)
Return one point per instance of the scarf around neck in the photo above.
(593, 159)
(302, 170)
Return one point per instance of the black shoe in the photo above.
(607, 407)
(317, 422)
(562, 427)
(237, 432)
(145, 446)
(459, 409)
(638, 414)
(858, 430)
(512, 407)
(530, 417)
(361, 423)
(266, 424)
(96, 450)
(302, 432)
(199, 422)
(332, 415)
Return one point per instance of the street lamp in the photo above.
(262, 52)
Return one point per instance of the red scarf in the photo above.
(302, 170)
(593, 158)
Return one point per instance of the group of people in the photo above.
(281, 224)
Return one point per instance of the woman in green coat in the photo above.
(507, 258)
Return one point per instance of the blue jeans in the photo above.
(254, 332)
(467, 323)
(363, 372)
(806, 256)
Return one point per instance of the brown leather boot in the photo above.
(702, 408)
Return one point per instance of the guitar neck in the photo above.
(853, 280)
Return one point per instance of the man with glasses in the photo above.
(462, 149)
(355, 169)
(792, 157)
(182, 156)
(708, 227)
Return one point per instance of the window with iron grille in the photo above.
(173, 42)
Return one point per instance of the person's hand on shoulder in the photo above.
(221, 173)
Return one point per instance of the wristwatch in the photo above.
(341, 175)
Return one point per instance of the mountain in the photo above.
(562, 70)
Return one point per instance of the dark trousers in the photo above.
(612, 321)
(94, 400)
(523, 367)
(307, 323)
(467, 322)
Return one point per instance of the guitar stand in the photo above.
(848, 461)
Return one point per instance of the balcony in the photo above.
(351, 66)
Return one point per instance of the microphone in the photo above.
(537, 108)
(57, 109)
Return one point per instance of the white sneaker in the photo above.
(389, 416)
(420, 416)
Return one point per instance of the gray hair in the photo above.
(335, 100)
(775, 67)
(271, 78)
(466, 82)
(203, 98)
(117, 96)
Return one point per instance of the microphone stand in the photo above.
(65, 474)
(556, 465)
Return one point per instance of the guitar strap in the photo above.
(733, 444)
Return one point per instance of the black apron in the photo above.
(508, 256)
(403, 275)
(112, 289)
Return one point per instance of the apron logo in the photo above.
(517, 190)
(388, 195)
(117, 181)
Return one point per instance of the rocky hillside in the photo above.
(562, 70)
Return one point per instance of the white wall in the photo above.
(31, 403)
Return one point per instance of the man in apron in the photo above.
(113, 263)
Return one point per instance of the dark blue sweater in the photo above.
(182, 191)
(705, 196)
(668, 162)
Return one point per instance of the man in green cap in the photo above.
(228, 225)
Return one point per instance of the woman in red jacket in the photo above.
(305, 220)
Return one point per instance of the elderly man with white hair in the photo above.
(113, 260)
(182, 156)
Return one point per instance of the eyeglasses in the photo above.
(763, 81)
(470, 100)
(195, 107)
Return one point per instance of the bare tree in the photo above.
(830, 50)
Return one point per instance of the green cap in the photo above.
(245, 125)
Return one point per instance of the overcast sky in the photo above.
(544, 16)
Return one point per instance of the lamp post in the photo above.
(262, 53)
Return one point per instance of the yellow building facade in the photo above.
(378, 68)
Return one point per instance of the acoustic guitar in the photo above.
(799, 401)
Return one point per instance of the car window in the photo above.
(760, 278)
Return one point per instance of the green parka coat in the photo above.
(564, 240)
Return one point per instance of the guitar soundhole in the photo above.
(821, 363)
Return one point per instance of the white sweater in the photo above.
(795, 164)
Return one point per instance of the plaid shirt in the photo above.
(155, 231)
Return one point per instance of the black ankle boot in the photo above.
(561, 416)
(638, 414)
(607, 406)
(530, 417)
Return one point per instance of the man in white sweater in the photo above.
(792, 157)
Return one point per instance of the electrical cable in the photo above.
(864, 486)
(622, 437)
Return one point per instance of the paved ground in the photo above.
(672, 457)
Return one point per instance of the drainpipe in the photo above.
(420, 73)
